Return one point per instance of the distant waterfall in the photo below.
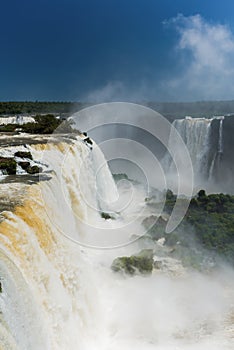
(19, 119)
(220, 149)
(204, 151)
(217, 156)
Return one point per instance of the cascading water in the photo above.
(216, 161)
(44, 265)
(220, 143)
(16, 120)
(57, 295)
(220, 149)
(104, 179)
(205, 153)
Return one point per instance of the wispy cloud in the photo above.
(207, 50)
(204, 67)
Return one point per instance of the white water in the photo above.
(9, 152)
(16, 120)
(216, 161)
(58, 295)
(196, 134)
(220, 149)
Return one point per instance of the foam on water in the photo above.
(58, 295)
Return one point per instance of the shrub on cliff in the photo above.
(45, 124)
(141, 263)
(8, 165)
(208, 223)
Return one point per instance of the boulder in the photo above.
(88, 140)
(24, 165)
(106, 216)
(141, 263)
(22, 154)
(33, 169)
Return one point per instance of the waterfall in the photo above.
(217, 158)
(204, 151)
(43, 305)
(104, 179)
(195, 133)
(220, 148)
(16, 120)
(59, 295)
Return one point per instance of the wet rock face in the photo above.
(33, 169)
(8, 165)
(142, 263)
(22, 154)
(106, 216)
(24, 165)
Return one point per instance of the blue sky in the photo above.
(104, 50)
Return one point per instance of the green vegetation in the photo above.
(65, 127)
(38, 107)
(44, 124)
(8, 165)
(106, 216)
(213, 220)
(208, 225)
(170, 110)
(141, 263)
(9, 127)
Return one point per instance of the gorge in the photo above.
(61, 229)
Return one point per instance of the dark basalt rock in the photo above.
(106, 216)
(33, 169)
(30, 169)
(22, 154)
(24, 165)
(88, 140)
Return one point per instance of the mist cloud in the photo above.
(107, 92)
(115, 91)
